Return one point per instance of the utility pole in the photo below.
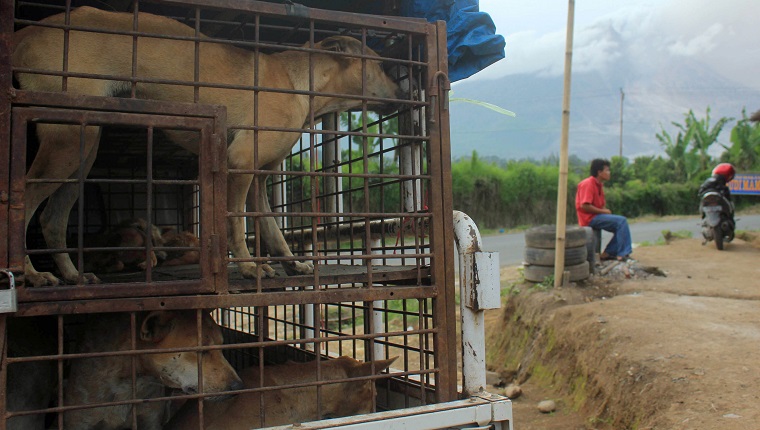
(622, 97)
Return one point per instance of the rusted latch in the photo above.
(8, 300)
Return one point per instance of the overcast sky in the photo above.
(723, 35)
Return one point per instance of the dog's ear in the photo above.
(156, 326)
(357, 368)
(344, 44)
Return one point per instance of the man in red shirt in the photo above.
(592, 211)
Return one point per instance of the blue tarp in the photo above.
(471, 35)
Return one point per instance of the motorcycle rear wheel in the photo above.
(718, 237)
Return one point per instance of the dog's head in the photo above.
(340, 399)
(342, 74)
(361, 401)
(178, 329)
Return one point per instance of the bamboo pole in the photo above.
(559, 255)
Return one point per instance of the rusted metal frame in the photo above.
(314, 192)
(444, 344)
(66, 38)
(322, 15)
(85, 306)
(80, 202)
(59, 363)
(133, 83)
(217, 191)
(164, 288)
(90, 118)
(197, 39)
(133, 357)
(6, 84)
(377, 215)
(113, 181)
(199, 357)
(440, 169)
(318, 383)
(364, 257)
(110, 291)
(416, 184)
(149, 201)
(17, 215)
(206, 85)
(115, 104)
(366, 175)
(384, 226)
(256, 140)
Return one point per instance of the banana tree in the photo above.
(744, 152)
(703, 135)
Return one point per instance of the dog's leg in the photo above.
(271, 235)
(57, 158)
(237, 191)
(55, 216)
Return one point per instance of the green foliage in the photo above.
(520, 193)
(703, 135)
(744, 152)
(545, 285)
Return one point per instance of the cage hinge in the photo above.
(216, 257)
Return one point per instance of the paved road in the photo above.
(510, 246)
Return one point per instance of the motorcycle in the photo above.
(717, 218)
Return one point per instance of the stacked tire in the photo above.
(540, 253)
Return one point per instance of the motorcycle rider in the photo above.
(722, 174)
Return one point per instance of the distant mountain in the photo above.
(659, 88)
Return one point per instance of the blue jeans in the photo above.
(620, 244)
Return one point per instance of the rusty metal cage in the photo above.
(363, 197)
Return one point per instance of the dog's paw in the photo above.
(252, 271)
(295, 268)
(40, 279)
(87, 278)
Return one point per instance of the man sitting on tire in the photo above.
(592, 211)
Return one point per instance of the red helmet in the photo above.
(726, 170)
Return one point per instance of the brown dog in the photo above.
(109, 379)
(42, 48)
(129, 233)
(179, 239)
(289, 405)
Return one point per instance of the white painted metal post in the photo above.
(377, 319)
(479, 290)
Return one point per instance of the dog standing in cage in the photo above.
(339, 67)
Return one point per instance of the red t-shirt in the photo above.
(590, 190)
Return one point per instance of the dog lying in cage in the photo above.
(179, 239)
(133, 233)
(335, 70)
(288, 405)
(109, 378)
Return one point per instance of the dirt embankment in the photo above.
(672, 352)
